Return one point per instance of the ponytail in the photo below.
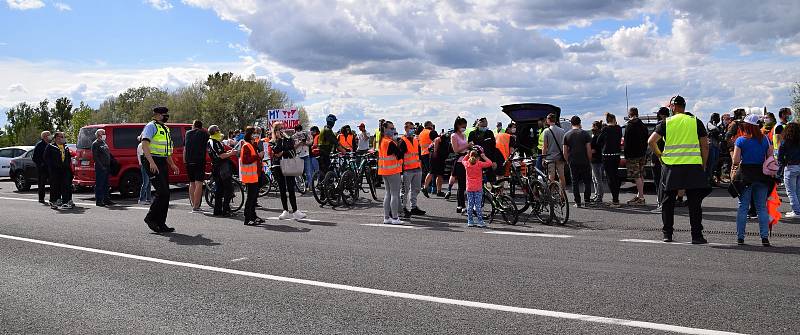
(473, 157)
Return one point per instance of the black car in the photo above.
(23, 171)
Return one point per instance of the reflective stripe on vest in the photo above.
(388, 164)
(681, 145)
(425, 141)
(503, 144)
(248, 173)
(411, 157)
(161, 143)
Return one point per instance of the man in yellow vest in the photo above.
(157, 148)
(412, 171)
(683, 159)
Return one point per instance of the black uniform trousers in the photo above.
(222, 195)
(60, 185)
(250, 202)
(694, 200)
(157, 214)
(41, 182)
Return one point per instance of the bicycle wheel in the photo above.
(331, 189)
(371, 184)
(317, 189)
(508, 209)
(237, 198)
(208, 192)
(559, 211)
(488, 208)
(348, 188)
(301, 184)
(541, 206)
(268, 185)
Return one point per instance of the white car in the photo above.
(9, 153)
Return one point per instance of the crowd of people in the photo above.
(752, 153)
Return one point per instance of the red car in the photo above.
(122, 142)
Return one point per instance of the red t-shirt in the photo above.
(475, 173)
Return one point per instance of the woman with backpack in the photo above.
(749, 153)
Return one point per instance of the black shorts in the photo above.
(196, 172)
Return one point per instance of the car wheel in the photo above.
(130, 184)
(21, 183)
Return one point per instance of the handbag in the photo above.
(770, 166)
(292, 167)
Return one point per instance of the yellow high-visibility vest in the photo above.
(681, 145)
(161, 143)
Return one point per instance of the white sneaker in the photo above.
(790, 215)
(387, 221)
(298, 215)
(398, 222)
(285, 215)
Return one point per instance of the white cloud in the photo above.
(160, 4)
(639, 41)
(62, 6)
(25, 4)
(17, 88)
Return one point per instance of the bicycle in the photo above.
(498, 202)
(337, 186)
(367, 173)
(237, 198)
(547, 200)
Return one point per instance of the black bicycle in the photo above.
(237, 196)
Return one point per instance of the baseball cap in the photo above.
(751, 119)
(678, 100)
(362, 125)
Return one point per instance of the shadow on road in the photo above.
(183, 239)
(284, 228)
(756, 248)
(75, 210)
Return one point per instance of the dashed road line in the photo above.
(635, 240)
(239, 259)
(393, 294)
(497, 232)
(385, 225)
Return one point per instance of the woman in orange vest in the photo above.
(346, 139)
(390, 167)
(249, 162)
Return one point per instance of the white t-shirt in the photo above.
(302, 151)
(363, 141)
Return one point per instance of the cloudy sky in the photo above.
(412, 60)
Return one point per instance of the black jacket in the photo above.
(635, 139)
(38, 153)
(52, 158)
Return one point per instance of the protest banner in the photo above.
(289, 117)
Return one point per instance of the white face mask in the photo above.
(513, 130)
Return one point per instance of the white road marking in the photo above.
(386, 225)
(526, 234)
(395, 294)
(635, 240)
(76, 203)
(239, 259)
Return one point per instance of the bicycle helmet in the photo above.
(330, 118)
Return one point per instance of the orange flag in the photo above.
(773, 204)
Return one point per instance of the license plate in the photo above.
(84, 163)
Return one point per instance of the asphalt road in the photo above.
(100, 270)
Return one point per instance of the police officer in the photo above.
(157, 157)
(683, 166)
(221, 171)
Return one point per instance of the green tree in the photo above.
(304, 117)
(43, 115)
(81, 116)
(62, 114)
(796, 100)
(22, 125)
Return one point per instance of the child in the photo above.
(474, 163)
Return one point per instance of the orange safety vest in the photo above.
(346, 141)
(411, 157)
(503, 141)
(388, 164)
(425, 141)
(248, 173)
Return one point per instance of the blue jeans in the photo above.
(791, 178)
(474, 207)
(101, 185)
(713, 159)
(144, 192)
(759, 193)
(308, 166)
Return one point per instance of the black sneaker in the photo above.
(406, 213)
(667, 238)
(165, 229)
(459, 210)
(440, 194)
(765, 242)
(417, 211)
(425, 192)
(740, 241)
(100, 204)
(699, 240)
(153, 226)
(109, 203)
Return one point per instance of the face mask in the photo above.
(463, 130)
(103, 137)
(513, 130)
(217, 137)
(483, 128)
(410, 132)
(48, 138)
(390, 132)
(164, 118)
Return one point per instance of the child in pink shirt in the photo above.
(474, 163)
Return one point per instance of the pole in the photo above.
(626, 100)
